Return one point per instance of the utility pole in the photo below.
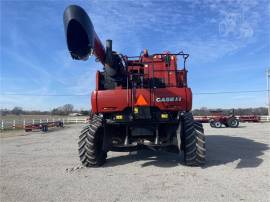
(268, 92)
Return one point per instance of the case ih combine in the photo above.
(139, 102)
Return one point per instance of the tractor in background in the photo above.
(218, 119)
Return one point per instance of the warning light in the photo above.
(141, 101)
(136, 110)
(119, 117)
(164, 116)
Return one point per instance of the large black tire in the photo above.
(90, 144)
(193, 140)
(233, 122)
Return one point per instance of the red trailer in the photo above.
(43, 126)
(249, 118)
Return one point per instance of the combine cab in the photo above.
(139, 102)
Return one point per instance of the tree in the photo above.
(63, 110)
(17, 110)
(67, 108)
(4, 112)
(85, 112)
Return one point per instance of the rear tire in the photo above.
(90, 144)
(193, 140)
(233, 122)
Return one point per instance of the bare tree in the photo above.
(17, 110)
(63, 110)
(67, 108)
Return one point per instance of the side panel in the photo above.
(113, 100)
(94, 101)
(173, 98)
(169, 99)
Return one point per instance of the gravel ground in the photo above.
(45, 167)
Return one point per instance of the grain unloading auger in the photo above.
(139, 102)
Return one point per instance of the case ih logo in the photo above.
(168, 99)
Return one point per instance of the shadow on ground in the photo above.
(220, 150)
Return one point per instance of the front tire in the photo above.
(193, 140)
(217, 124)
(90, 144)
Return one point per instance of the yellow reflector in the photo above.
(141, 101)
(164, 116)
(119, 117)
(136, 110)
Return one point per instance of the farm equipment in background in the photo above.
(139, 102)
(43, 126)
(250, 118)
(218, 119)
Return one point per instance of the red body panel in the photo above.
(118, 99)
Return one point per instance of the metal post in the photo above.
(33, 121)
(47, 120)
(2, 125)
(126, 138)
(24, 123)
(268, 93)
(14, 124)
(157, 136)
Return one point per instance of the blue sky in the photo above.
(228, 42)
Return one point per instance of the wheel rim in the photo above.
(218, 124)
(234, 123)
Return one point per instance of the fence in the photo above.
(20, 124)
(265, 118)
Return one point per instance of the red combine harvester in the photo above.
(218, 119)
(139, 102)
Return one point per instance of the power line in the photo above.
(74, 95)
(45, 95)
(230, 92)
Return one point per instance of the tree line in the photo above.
(67, 109)
(63, 110)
